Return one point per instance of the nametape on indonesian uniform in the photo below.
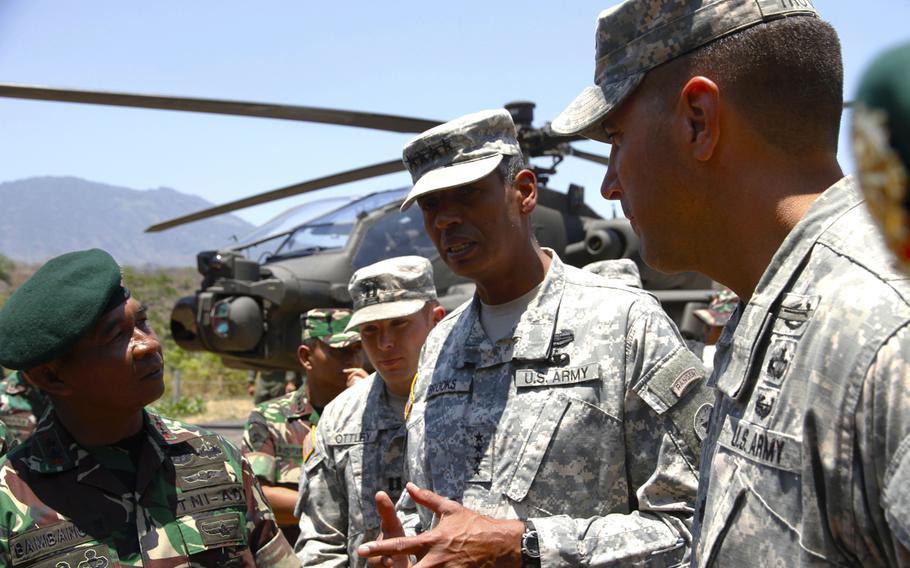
(556, 376)
(44, 541)
(210, 498)
(754, 442)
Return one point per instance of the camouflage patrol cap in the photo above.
(458, 152)
(392, 288)
(328, 325)
(638, 35)
(881, 144)
(719, 310)
(58, 306)
(622, 270)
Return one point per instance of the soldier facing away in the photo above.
(103, 482)
(276, 430)
(567, 434)
(358, 448)
(741, 101)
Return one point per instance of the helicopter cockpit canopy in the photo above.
(327, 224)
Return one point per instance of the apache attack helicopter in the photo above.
(252, 293)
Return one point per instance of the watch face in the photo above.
(530, 546)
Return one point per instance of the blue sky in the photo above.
(427, 59)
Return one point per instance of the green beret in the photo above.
(56, 307)
(881, 145)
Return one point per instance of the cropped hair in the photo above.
(786, 76)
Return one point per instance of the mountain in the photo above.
(46, 216)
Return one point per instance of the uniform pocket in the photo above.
(754, 503)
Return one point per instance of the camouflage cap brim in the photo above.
(584, 115)
(636, 36)
(457, 174)
(340, 340)
(385, 311)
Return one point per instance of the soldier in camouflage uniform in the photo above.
(275, 431)
(560, 410)
(21, 405)
(741, 101)
(102, 482)
(360, 442)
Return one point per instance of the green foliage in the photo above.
(6, 269)
(186, 406)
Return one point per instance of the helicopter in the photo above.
(248, 305)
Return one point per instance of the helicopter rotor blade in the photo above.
(289, 191)
(596, 158)
(387, 122)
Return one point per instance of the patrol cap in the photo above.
(638, 35)
(881, 144)
(57, 306)
(622, 270)
(719, 310)
(458, 152)
(328, 325)
(391, 288)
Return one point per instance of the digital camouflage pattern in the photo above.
(391, 288)
(21, 405)
(195, 502)
(638, 35)
(327, 325)
(587, 422)
(806, 462)
(359, 450)
(458, 152)
(273, 442)
(619, 270)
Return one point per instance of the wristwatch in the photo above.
(530, 547)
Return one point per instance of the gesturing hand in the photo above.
(461, 538)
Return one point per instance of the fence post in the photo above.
(176, 392)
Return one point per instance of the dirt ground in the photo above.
(223, 411)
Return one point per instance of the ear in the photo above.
(525, 183)
(700, 107)
(438, 313)
(45, 377)
(303, 355)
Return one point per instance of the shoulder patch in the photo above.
(670, 380)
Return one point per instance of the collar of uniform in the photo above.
(51, 448)
(386, 418)
(165, 431)
(534, 332)
(300, 406)
(783, 270)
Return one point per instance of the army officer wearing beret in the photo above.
(104, 482)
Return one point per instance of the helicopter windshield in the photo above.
(287, 221)
(331, 230)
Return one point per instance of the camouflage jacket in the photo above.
(585, 422)
(273, 438)
(21, 405)
(195, 502)
(808, 457)
(359, 450)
